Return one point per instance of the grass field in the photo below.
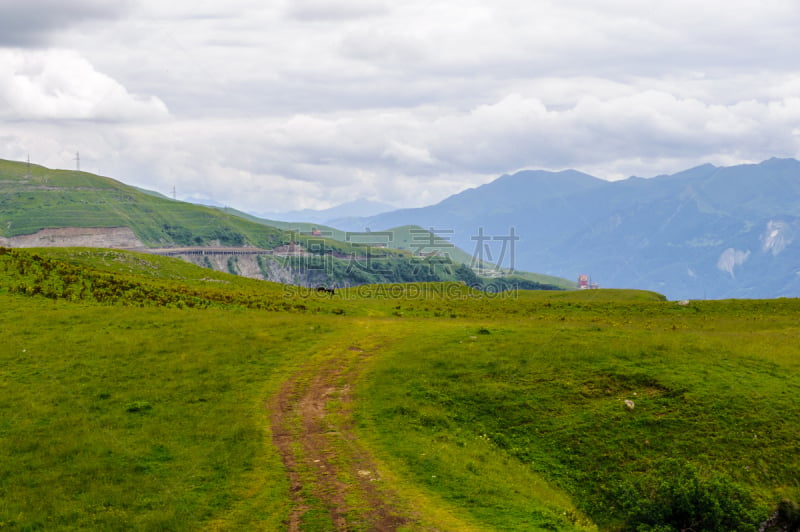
(144, 393)
(149, 419)
(714, 396)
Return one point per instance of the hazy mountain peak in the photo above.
(696, 172)
(355, 208)
(780, 163)
(733, 228)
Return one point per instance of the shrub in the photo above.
(138, 406)
(678, 498)
(786, 518)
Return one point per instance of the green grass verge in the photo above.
(124, 408)
(504, 416)
(122, 417)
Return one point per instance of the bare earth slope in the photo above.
(95, 237)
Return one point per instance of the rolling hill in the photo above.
(143, 392)
(44, 207)
(39, 198)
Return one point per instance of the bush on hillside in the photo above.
(678, 498)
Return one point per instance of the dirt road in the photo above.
(334, 481)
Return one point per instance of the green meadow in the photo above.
(138, 392)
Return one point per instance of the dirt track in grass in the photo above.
(332, 476)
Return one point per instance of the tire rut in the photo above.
(329, 470)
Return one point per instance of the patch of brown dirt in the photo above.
(312, 428)
(92, 237)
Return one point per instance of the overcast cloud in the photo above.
(294, 104)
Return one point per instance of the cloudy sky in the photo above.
(272, 105)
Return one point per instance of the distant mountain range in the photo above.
(707, 232)
(338, 216)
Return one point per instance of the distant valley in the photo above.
(708, 232)
(40, 207)
(705, 233)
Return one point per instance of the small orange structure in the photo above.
(583, 282)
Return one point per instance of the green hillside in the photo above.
(415, 240)
(64, 198)
(33, 198)
(141, 392)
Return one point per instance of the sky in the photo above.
(275, 105)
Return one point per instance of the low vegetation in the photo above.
(680, 419)
(137, 390)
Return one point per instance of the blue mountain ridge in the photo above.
(707, 232)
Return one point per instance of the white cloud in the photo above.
(304, 103)
(61, 85)
(324, 10)
(520, 131)
(731, 258)
(406, 154)
(777, 235)
(33, 22)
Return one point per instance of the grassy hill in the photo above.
(62, 198)
(143, 392)
(415, 240)
(33, 198)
